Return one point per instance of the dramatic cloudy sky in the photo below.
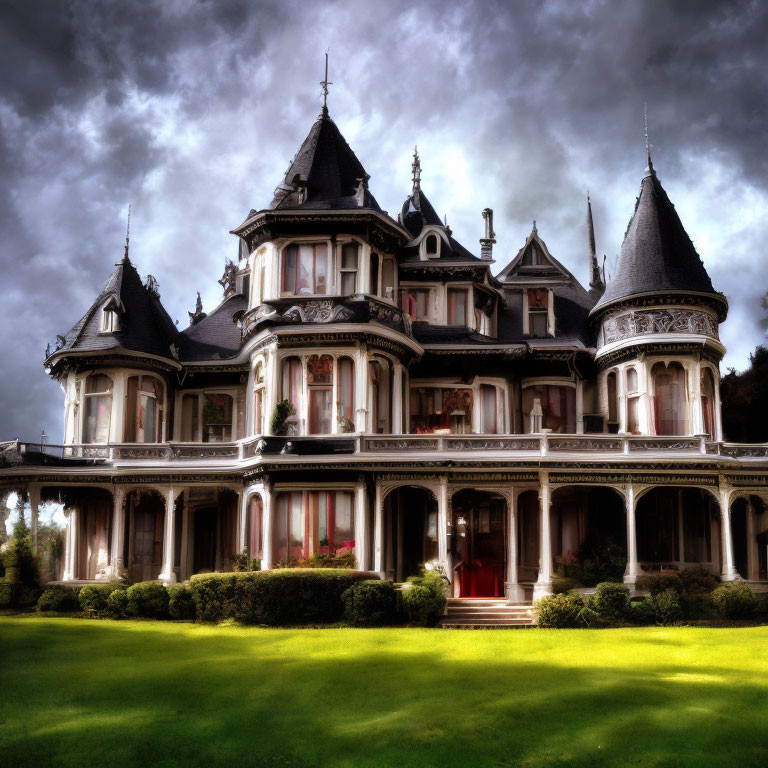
(193, 110)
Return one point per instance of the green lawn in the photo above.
(100, 693)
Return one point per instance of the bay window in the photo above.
(311, 523)
(457, 306)
(345, 405)
(670, 399)
(380, 377)
(441, 410)
(98, 408)
(292, 390)
(348, 269)
(143, 409)
(320, 386)
(207, 417)
(708, 402)
(305, 269)
(554, 405)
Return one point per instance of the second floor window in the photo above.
(348, 269)
(457, 306)
(416, 303)
(206, 418)
(98, 408)
(143, 409)
(538, 312)
(305, 269)
(670, 399)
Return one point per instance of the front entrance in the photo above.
(479, 544)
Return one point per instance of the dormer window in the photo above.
(539, 314)
(430, 246)
(305, 269)
(110, 320)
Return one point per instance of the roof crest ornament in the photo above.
(128, 235)
(324, 84)
(649, 169)
(534, 231)
(416, 169)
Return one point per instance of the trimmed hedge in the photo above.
(610, 601)
(93, 597)
(735, 600)
(117, 604)
(15, 595)
(277, 598)
(181, 604)
(560, 611)
(148, 599)
(423, 599)
(642, 612)
(58, 599)
(370, 604)
(667, 606)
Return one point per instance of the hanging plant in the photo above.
(283, 409)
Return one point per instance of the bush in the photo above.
(93, 597)
(610, 601)
(277, 598)
(667, 606)
(561, 586)
(559, 611)
(15, 596)
(370, 604)
(735, 600)
(698, 581)
(181, 604)
(642, 612)
(656, 583)
(244, 563)
(761, 605)
(588, 617)
(20, 587)
(148, 599)
(58, 599)
(697, 606)
(117, 603)
(423, 599)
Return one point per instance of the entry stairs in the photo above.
(474, 613)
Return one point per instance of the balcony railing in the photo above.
(244, 451)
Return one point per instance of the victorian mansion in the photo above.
(368, 382)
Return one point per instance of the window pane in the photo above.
(457, 307)
(613, 402)
(558, 407)
(320, 410)
(98, 382)
(374, 286)
(290, 257)
(98, 409)
(349, 256)
(189, 418)
(631, 380)
(633, 415)
(348, 283)
(258, 400)
(488, 402)
(147, 416)
(296, 530)
(388, 279)
(217, 418)
(670, 400)
(343, 520)
(321, 269)
(347, 392)
(305, 279)
(538, 324)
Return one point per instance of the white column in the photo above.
(184, 569)
(70, 544)
(167, 575)
(361, 525)
(397, 399)
(272, 389)
(728, 572)
(378, 533)
(267, 523)
(443, 554)
(697, 417)
(632, 570)
(543, 585)
(33, 490)
(118, 531)
(515, 593)
(243, 521)
(753, 573)
(580, 407)
(361, 390)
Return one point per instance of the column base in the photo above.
(730, 577)
(167, 578)
(515, 593)
(541, 589)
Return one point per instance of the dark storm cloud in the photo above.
(193, 110)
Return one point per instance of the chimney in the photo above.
(487, 242)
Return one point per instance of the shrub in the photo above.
(563, 585)
(697, 606)
(181, 604)
(423, 599)
(667, 606)
(20, 587)
(277, 598)
(735, 600)
(656, 583)
(610, 601)
(370, 604)
(58, 599)
(642, 612)
(588, 617)
(283, 409)
(117, 603)
(148, 599)
(559, 611)
(93, 597)
(244, 563)
(761, 605)
(698, 581)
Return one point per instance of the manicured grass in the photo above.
(99, 693)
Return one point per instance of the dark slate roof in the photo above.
(657, 255)
(217, 335)
(417, 212)
(144, 324)
(442, 334)
(329, 168)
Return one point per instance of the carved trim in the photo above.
(642, 322)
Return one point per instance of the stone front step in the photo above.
(486, 613)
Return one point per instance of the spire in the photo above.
(649, 169)
(128, 235)
(595, 281)
(416, 168)
(324, 84)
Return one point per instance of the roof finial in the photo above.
(325, 83)
(534, 231)
(127, 234)
(649, 169)
(594, 269)
(416, 168)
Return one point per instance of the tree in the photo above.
(744, 398)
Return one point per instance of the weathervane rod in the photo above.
(128, 233)
(325, 83)
(647, 140)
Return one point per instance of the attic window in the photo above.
(532, 257)
(432, 246)
(110, 320)
(540, 316)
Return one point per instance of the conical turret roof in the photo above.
(657, 256)
(325, 173)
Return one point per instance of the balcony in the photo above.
(426, 447)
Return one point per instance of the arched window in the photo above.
(320, 385)
(143, 409)
(432, 246)
(98, 408)
(670, 399)
(631, 380)
(258, 399)
(613, 402)
(345, 388)
(380, 377)
(292, 390)
(708, 401)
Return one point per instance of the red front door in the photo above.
(479, 545)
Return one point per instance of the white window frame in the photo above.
(201, 398)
